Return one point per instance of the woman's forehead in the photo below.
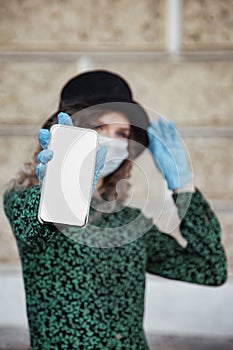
(113, 117)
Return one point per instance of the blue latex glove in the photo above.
(168, 153)
(46, 155)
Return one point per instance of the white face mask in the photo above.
(117, 152)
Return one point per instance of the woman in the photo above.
(78, 295)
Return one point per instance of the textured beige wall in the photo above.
(14, 151)
(30, 90)
(196, 94)
(208, 24)
(122, 24)
(62, 25)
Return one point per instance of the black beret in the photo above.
(101, 86)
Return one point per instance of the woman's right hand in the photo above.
(46, 155)
(169, 154)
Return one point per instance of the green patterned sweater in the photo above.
(80, 296)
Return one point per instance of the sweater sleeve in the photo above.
(21, 209)
(203, 260)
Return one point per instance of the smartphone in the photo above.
(67, 184)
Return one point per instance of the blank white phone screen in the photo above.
(67, 184)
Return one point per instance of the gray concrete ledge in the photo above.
(185, 131)
(111, 55)
(18, 339)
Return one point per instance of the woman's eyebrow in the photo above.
(96, 123)
(126, 129)
(121, 127)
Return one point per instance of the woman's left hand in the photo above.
(169, 153)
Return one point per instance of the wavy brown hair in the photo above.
(85, 116)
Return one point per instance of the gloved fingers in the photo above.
(101, 156)
(154, 125)
(170, 133)
(165, 129)
(161, 134)
(65, 119)
(44, 137)
(172, 124)
(40, 171)
(152, 136)
(169, 153)
(155, 139)
(158, 145)
(154, 132)
(174, 133)
(45, 156)
(158, 150)
(154, 129)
